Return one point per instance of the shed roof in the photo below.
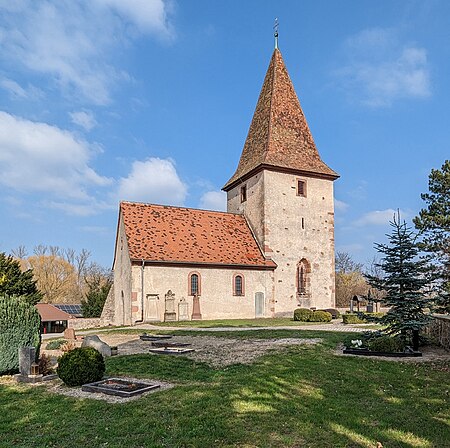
(50, 313)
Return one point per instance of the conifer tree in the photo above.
(14, 282)
(434, 223)
(406, 281)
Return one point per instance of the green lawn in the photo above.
(275, 322)
(300, 397)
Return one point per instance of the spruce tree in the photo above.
(14, 282)
(96, 296)
(434, 223)
(406, 281)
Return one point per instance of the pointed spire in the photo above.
(279, 136)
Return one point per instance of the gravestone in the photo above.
(95, 342)
(196, 314)
(27, 356)
(169, 314)
(69, 333)
(183, 310)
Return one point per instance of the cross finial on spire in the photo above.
(275, 34)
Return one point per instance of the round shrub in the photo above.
(19, 327)
(320, 316)
(335, 314)
(81, 366)
(386, 344)
(302, 314)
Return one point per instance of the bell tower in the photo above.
(285, 191)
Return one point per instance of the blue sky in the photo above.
(151, 100)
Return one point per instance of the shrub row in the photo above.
(306, 315)
(55, 345)
(351, 318)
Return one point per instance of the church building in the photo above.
(270, 253)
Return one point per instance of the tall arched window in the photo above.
(238, 285)
(303, 277)
(194, 283)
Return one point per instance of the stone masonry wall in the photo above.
(275, 213)
(216, 291)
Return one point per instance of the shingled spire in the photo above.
(279, 136)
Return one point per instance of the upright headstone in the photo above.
(27, 356)
(196, 314)
(69, 333)
(169, 314)
(183, 310)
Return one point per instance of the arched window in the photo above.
(194, 284)
(238, 285)
(303, 277)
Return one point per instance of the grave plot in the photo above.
(171, 350)
(119, 387)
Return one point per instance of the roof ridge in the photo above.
(179, 207)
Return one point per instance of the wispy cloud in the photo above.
(154, 180)
(73, 41)
(84, 118)
(16, 91)
(379, 69)
(379, 217)
(340, 206)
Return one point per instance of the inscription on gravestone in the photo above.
(183, 310)
(27, 356)
(170, 315)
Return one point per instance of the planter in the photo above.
(367, 352)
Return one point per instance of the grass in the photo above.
(302, 396)
(273, 322)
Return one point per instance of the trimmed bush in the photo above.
(352, 318)
(19, 327)
(302, 314)
(81, 366)
(320, 316)
(386, 344)
(335, 314)
(55, 345)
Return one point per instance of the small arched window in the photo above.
(194, 284)
(238, 285)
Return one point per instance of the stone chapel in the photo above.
(270, 253)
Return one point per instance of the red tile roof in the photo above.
(158, 233)
(279, 136)
(50, 313)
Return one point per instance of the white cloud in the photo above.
(214, 200)
(340, 206)
(379, 217)
(84, 118)
(37, 157)
(154, 180)
(378, 69)
(73, 41)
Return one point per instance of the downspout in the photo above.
(142, 294)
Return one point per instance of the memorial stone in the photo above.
(27, 356)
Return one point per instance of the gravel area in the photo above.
(215, 351)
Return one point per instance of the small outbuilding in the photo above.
(53, 319)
